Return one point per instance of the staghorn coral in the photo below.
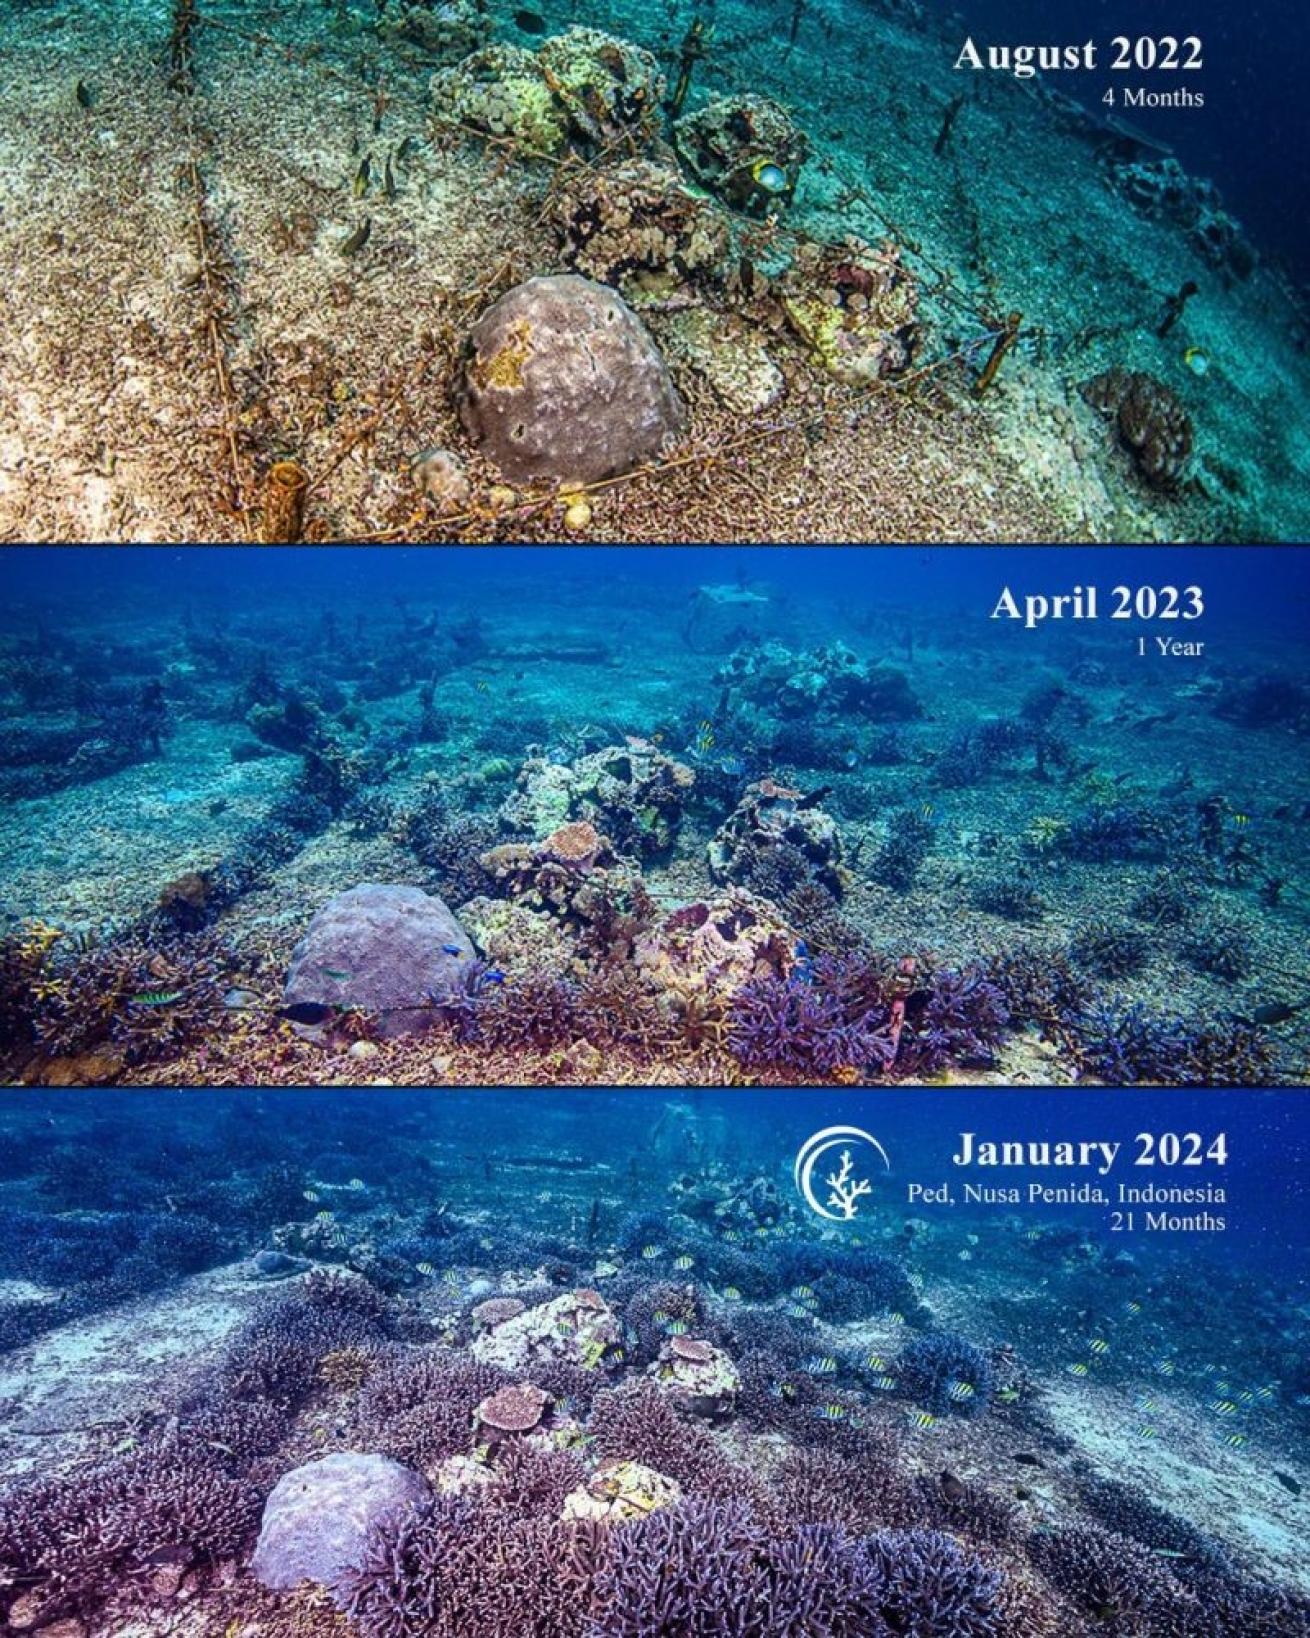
(532, 1013)
(456, 1567)
(1128, 1591)
(66, 1545)
(926, 1583)
(936, 1367)
(418, 1407)
(1109, 949)
(636, 1422)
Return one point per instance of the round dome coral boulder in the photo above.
(562, 381)
(318, 1518)
(394, 951)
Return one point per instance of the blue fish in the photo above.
(452, 949)
(493, 976)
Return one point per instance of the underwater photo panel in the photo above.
(706, 816)
(647, 1363)
(714, 270)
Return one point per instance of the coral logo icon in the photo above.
(837, 1194)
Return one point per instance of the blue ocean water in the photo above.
(1251, 131)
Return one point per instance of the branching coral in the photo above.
(946, 1373)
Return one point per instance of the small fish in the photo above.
(483, 686)
(705, 737)
(1098, 1345)
(821, 1365)
(953, 1489)
(335, 972)
(1241, 820)
(1288, 1482)
(677, 1328)
(1246, 1397)
(529, 22)
(408, 145)
(1265, 1394)
(1008, 1396)
(1145, 1401)
(452, 949)
(323, 1216)
(1165, 1366)
(832, 1413)
(425, 1269)
(884, 1384)
(82, 91)
(731, 1293)
(1196, 360)
(896, 1318)
(684, 1262)
(356, 1185)
(388, 178)
(1027, 1458)
(358, 239)
(650, 1253)
(926, 811)
(1033, 1234)
(1145, 1432)
(1234, 1441)
(876, 1362)
(493, 975)
(923, 1420)
(916, 1281)
(360, 185)
(1222, 1407)
(616, 1356)
(1276, 1012)
(813, 799)
(965, 1256)
(1132, 1307)
(313, 1196)
(158, 998)
(1079, 1369)
(451, 1277)
(960, 1393)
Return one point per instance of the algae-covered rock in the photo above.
(697, 1376)
(318, 1518)
(770, 817)
(443, 32)
(729, 355)
(583, 88)
(620, 1491)
(855, 307)
(637, 226)
(502, 91)
(578, 1328)
(746, 150)
(562, 381)
(711, 948)
(383, 948)
(1150, 420)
